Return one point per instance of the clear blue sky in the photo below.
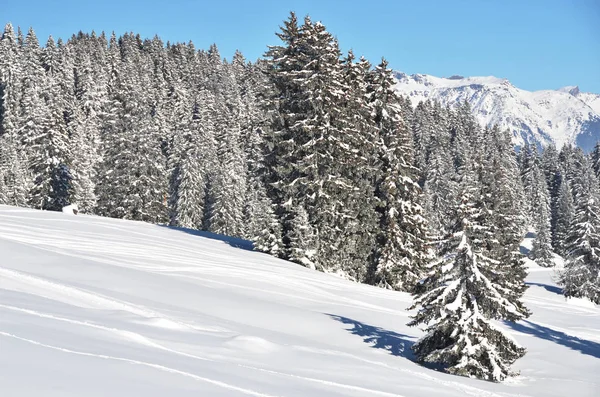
(537, 44)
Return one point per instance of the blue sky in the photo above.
(537, 44)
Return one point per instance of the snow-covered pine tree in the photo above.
(303, 240)
(595, 159)
(281, 141)
(538, 203)
(356, 144)
(581, 276)
(541, 251)
(402, 248)
(14, 178)
(189, 179)
(133, 179)
(10, 80)
(503, 215)
(262, 226)
(313, 147)
(227, 183)
(423, 129)
(554, 175)
(91, 76)
(460, 301)
(565, 211)
(463, 127)
(439, 184)
(48, 141)
(565, 157)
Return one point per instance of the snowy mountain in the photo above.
(93, 306)
(562, 116)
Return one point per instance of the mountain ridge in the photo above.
(562, 116)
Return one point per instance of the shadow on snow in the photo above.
(232, 241)
(379, 338)
(524, 250)
(584, 346)
(549, 288)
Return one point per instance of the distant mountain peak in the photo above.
(561, 116)
(570, 89)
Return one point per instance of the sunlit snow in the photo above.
(103, 307)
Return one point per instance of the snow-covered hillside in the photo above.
(562, 116)
(103, 307)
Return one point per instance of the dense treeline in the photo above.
(311, 154)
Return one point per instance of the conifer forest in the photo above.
(312, 155)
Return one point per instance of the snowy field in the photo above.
(102, 307)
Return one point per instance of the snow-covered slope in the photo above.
(103, 307)
(562, 116)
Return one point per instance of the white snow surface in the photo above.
(70, 209)
(561, 116)
(102, 307)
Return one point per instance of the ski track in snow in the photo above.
(89, 249)
(140, 339)
(92, 300)
(151, 365)
(138, 250)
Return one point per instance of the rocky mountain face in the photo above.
(560, 116)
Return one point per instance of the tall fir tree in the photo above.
(565, 211)
(402, 249)
(504, 217)
(461, 300)
(581, 276)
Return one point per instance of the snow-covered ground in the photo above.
(102, 307)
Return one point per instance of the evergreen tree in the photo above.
(581, 276)
(315, 148)
(14, 178)
(461, 300)
(192, 160)
(439, 186)
(402, 244)
(504, 217)
(554, 175)
(303, 240)
(539, 205)
(541, 251)
(227, 186)
(262, 226)
(133, 180)
(595, 160)
(565, 212)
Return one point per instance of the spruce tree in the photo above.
(565, 212)
(504, 216)
(303, 241)
(538, 204)
(595, 160)
(554, 176)
(262, 226)
(541, 251)
(315, 146)
(14, 177)
(460, 300)
(581, 276)
(402, 248)
(192, 160)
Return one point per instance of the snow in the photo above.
(70, 209)
(560, 116)
(94, 307)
